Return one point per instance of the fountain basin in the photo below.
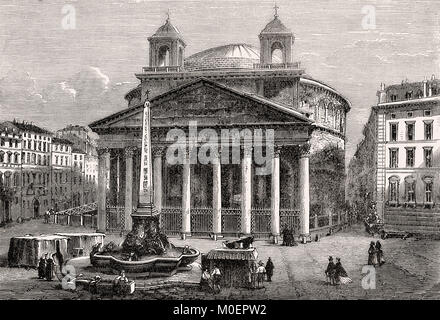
(151, 266)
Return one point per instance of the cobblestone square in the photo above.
(410, 271)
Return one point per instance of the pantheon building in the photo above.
(231, 87)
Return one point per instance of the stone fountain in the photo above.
(146, 250)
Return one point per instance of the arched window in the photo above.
(164, 56)
(428, 189)
(410, 189)
(331, 114)
(277, 52)
(322, 113)
(393, 190)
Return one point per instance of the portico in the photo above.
(235, 192)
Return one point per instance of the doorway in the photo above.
(36, 208)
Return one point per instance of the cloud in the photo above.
(80, 99)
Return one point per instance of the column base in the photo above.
(275, 238)
(216, 236)
(184, 235)
(305, 238)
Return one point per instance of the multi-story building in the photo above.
(84, 162)
(39, 171)
(406, 152)
(35, 169)
(10, 168)
(61, 181)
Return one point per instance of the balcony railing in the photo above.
(164, 69)
(287, 65)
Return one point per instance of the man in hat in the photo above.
(269, 269)
(330, 271)
(261, 271)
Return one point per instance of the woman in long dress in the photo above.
(372, 255)
(379, 253)
(340, 273)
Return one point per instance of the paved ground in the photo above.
(411, 270)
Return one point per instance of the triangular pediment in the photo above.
(208, 103)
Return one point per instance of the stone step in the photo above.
(412, 213)
(413, 223)
(413, 229)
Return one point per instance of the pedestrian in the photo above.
(119, 282)
(216, 276)
(252, 274)
(372, 254)
(205, 281)
(330, 271)
(50, 268)
(341, 275)
(261, 271)
(42, 267)
(46, 216)
(379, 253)
(269, 269)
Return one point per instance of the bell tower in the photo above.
(276, 37)
(167, 47)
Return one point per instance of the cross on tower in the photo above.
(168, 14)
(276, 10)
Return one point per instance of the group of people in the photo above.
(211, 280)
(375, 254)
(288, 237)
(46, 267)
(47, 214)
(258, 273)
(335, 273)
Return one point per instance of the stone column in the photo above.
(186, 196)
(246, 190)
(128, 207)
(157, 177)
(304, 198)
(275, 195)
(103, 163)
(216, 198)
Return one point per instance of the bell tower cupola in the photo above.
(167, 47)
(276, 38)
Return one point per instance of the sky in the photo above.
(56, 71)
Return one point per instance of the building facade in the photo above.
(254, 91)
(406, 154)
(40, 170)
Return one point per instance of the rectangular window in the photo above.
(393, 116)
(394, 158)
(428, 157)
(409, 114)
(427, 113)
(428, 130)
(394, 187)
(428, 192)
(410, 131)
(410, 157)
(394, 129)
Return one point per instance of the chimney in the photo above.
(425, 88)
(381, 94)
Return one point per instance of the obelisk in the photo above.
(146, 205)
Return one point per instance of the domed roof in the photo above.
(276, 26)
(230, 56)
(168, 30)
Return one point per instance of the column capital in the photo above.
(277, 151)
(158, 151)
(304, 150)
(128, 151)
(103, 151)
